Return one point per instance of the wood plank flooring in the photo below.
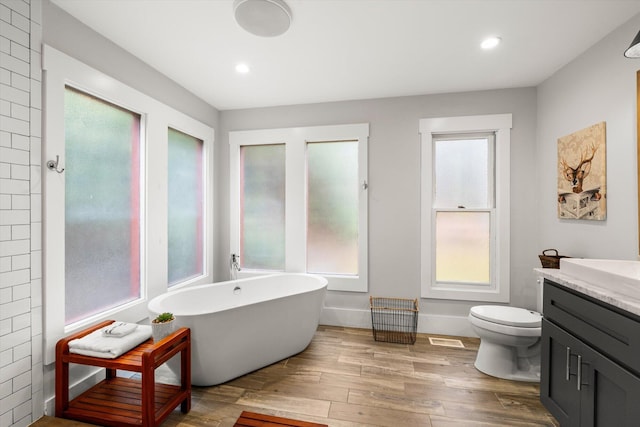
(345, 378)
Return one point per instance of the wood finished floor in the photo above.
(345, 378)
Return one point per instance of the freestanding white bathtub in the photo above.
(243, 325)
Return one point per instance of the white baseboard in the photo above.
(79, 386)
(427, 323)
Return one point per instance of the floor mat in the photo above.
(253, 419)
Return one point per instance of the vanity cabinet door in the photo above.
(610, 393)
(558, 386)
(581, 387)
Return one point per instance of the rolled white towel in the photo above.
(119, 329)
(96, 344)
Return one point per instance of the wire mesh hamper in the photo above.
(394, 319)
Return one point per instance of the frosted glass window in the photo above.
(102, 205)
(463, 247)
(332, 211)
(461, 173)
(262, 207)
(185, 207)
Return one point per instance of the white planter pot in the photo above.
(161, 330)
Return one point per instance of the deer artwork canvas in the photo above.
(582, 186)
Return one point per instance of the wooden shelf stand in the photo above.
(118, 401)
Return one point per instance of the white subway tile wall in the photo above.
(21, 370)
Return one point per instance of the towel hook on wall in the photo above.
(53, 165)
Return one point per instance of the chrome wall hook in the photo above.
(53, 165)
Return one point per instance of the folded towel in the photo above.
(96, 344)
(119, 329)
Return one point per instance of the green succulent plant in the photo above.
(163, 318)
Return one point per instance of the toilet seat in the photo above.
(513, 331)
(507, 316)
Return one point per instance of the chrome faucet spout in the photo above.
(234, 266)
(235, 262)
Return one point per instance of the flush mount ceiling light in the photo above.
(634, 49)
(265, 18)
(490, 42)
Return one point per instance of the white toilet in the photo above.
(509, 341)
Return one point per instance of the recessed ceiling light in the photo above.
(490, 42)
(242, 68)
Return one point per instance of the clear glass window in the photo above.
(102, 205)
(185, 207)
(332, 207)
(262, 207)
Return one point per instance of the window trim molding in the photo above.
(501, 125)
(295, 140)
(61, 70)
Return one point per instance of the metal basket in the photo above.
(394, 319)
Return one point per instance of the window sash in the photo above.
(332, 208)
(186, 207)
(490, 168)
(103, 197)
(466, 256)
(262, 235)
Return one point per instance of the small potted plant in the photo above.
(162, 326)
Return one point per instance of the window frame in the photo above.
(61, 71)
(462, 126)
(295, 141)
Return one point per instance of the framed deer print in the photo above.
(582, 178)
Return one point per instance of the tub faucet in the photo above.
(235, 264)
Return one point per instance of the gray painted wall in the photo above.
(394, 192)
(600, 85)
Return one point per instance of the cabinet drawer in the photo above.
(602, 326)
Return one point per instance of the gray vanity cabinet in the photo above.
(590, 367)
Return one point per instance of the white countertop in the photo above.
(613, 298)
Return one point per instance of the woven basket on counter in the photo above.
(551, 261)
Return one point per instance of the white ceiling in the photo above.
(354, 49)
